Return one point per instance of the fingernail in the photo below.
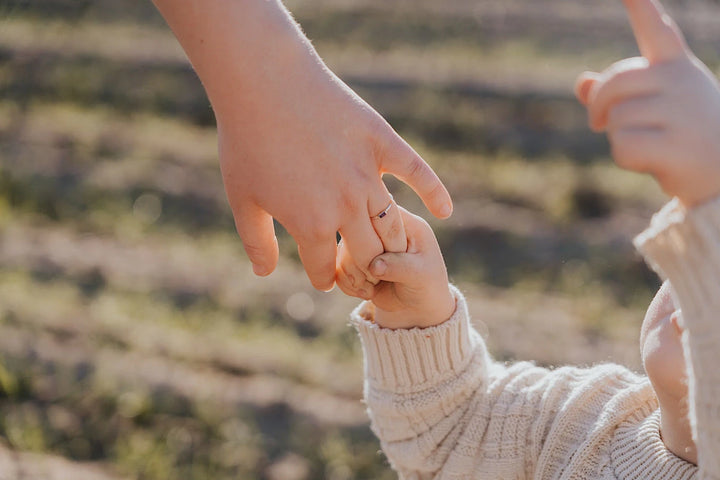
(260, 270)
(379, 267)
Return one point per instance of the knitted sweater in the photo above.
(444, 409)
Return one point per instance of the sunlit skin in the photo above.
(296, 144)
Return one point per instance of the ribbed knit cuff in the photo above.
(407, 360)
(684, 247)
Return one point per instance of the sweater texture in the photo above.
(444, 409)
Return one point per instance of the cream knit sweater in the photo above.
(444, 409)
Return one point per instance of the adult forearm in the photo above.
(239, 47)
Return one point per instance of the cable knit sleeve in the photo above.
(419, 387)
(684, 247)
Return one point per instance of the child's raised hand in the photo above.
(412, 287)
(661, 111)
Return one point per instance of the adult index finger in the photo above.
(657, 35)
(399, 159)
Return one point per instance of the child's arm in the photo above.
(662, 116)
(441, 407)
(422, 384)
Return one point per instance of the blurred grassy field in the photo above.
(134, 340)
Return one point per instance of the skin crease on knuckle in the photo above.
(316, 229)
(347, 277)
(350, 278)
(417, 168)
(346, 286)
(350, 200)
(355, 276)
(357, 287)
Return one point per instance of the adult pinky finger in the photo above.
(399, 159)
(352, 282)
(637, 149)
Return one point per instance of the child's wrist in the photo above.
(440, 312)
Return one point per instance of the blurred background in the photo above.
(134, 340)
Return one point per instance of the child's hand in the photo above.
(661, 111)
(413, 286)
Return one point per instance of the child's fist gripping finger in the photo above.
(413, 286)
(661, 111)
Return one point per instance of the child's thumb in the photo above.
(394, 267)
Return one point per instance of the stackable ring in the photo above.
(384, 212)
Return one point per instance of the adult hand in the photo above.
(296, 144)
(661, 111)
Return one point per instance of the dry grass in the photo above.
(132, 332)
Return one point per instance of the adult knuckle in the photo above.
(417, 167)
(347, 289)
(315, 232)
(351, 280)
(349, 202)
(314, 235)
(360, 174)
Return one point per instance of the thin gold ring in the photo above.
(384, 212)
